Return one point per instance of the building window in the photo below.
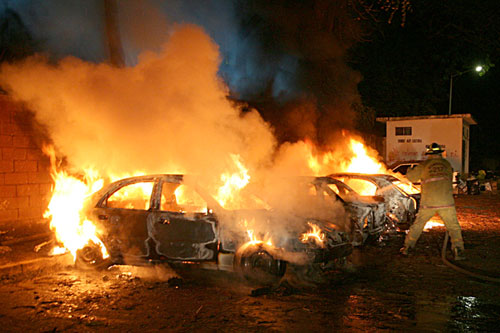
(403, 130)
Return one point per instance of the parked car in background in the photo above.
(401, 206)
(165, 218)
(403, 167)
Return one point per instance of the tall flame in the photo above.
(233, 182)
(355, 159)
(65, 208)
(361, 162)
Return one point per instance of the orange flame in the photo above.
(319, 163)
(361, 162)
(407, 187)
(254, 240)
(356, 160)
(433, 222)
(65, 207)
(233, 182)
(315, 234)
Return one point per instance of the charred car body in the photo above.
(165, 218)
(401, 206)
(367, 213)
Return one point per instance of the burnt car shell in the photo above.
(401, 206)
(367, 213)
(155, 228)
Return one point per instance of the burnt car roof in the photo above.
(174, 177)
(381, 180)
(97, 197)
(389, 178)
(357, 198)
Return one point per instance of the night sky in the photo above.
(348, 64)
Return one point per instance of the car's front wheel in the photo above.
(258, 264)
(90, 257)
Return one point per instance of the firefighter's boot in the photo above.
(406, 251)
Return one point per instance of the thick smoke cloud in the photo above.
(286, 58)
(169, 113)
(304, 43)
(168, 110)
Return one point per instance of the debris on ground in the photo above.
(175, 282)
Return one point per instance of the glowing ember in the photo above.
(315, 234)
(233, 182)
(64, 209)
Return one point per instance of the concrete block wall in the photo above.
(25, 182)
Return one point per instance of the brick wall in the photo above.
(25, 182)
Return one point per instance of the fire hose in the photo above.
(461, 270)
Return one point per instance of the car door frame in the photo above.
(206, 250)
(118, 221)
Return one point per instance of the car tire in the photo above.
(257, 264)
(90, 258)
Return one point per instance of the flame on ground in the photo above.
(433, 222)
(72, 230)
(314, 234)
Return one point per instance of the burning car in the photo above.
(169, 218)
(367, 213)
(402, 206)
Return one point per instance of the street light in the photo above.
(478, 69)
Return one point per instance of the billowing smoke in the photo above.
(173, 110)
(297, 52)
(286, 58)
(169, 113)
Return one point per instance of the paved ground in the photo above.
(385, 293)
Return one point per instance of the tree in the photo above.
(15, 39)
(406, 69)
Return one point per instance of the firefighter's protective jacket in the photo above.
(436, 179)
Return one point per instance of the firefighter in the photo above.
(435, 175)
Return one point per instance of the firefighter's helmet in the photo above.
(434, 148)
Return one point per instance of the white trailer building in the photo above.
(407, 138)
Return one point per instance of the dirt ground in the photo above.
(385, 292)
